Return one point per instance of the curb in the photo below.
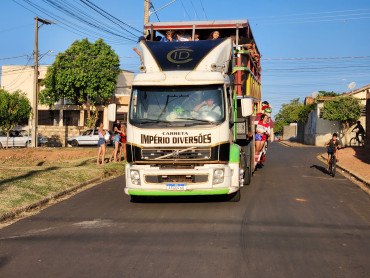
(359, 178)
(12, 214)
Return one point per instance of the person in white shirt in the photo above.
(208, 105)
(182, 36)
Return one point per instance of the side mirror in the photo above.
(247, 107)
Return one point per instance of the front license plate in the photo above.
(176, 186)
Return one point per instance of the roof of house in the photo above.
(351, 93)
(357, 91)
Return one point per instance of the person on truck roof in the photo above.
(182, 36)
(169, 37)
(214, 35)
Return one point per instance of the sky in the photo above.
(306, 46)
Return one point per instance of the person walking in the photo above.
(101, 144)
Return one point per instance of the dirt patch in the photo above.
(31, 156)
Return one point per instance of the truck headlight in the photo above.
(218, 176)
(135, 177)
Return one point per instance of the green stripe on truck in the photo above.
(234, 153)
(177, 193)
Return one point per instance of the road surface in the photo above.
(292, 221)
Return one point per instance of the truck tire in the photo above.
(1, 146)
(235, 197)
(28, 143)
(245, 160)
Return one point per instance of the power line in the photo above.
(319, 58)
(76, 13)
(186, 11)
(287, 15)
(151, 6)
(313, 21)
(195, 11)
(204, 11)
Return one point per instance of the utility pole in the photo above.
(34, 139)
(146, 15)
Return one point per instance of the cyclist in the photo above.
(333, 144)
(360, 131)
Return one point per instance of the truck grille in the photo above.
(193, 153)
(176, 178)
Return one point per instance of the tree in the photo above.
(85, 74)
(305, 111)
(15, 109)
(288, 113)
(327, 94)
(347, 110)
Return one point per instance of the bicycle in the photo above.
(357, 141)
(332, 165)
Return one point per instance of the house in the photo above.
(317, 131)
(64, 119)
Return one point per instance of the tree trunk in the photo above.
(345, 128)
(7, 139)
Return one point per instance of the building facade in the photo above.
(317, 131)
(64, 119)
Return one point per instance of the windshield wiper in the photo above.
(147, 121)
(198, 120)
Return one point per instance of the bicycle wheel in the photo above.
(333, 166)
(353, 142)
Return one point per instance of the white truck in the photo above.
(190, 128)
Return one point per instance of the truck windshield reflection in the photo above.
(177, 106)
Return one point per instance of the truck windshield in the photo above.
(177, 106)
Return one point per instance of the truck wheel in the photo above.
(1, 146)
(27, 144)
(246, 165)
(235, 197)
(74, 143)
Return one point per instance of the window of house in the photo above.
(48, 117)
(71, 117)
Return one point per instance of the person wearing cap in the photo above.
(169, 37)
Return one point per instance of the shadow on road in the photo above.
(183, 199)
(320, 168)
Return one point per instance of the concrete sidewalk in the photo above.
(353, 160)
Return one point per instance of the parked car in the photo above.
(19, 138)
(89, 137)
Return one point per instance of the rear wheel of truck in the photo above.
(235, 197)
(245, 163)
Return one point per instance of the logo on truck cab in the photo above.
(180, 56)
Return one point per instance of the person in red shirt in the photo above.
(262, 131)
(266, 109)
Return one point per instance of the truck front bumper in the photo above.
(197, 181)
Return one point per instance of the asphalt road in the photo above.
(292, 221)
